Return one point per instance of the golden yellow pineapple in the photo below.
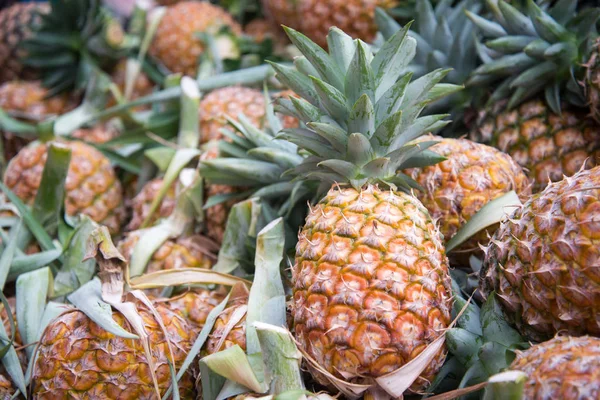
(215, 217)
(98, 134)
(92, 187)
(175, 44)
(472, 175)
(315, 17)
(544, 260)
(184, 252)
(195, 305)
(77, 358)
(562, 368)
(371, 283)
(142, 202)
(229, 101)
(142, 86)
(27, 100)
(16, 24)
(549, 146)
(226, 332)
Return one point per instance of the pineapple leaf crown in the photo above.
(250, 158)
(75, 38)
(444, 37)
(360, 109)
(533, 51)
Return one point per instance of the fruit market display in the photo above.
(300, 199)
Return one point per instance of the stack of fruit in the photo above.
(304, 199)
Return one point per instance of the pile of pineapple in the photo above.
(290, 199)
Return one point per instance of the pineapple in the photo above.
(538, 108)
(7, 390)
(16, 23)
(229, 101)
(455, 189)
(314, 17)
(543, 260)
(562, 368)
(175, 44)
(142, 202)
(78, 358)
(371, 288)
(98, 134)
(92, 187)
(29, 101)
(547, 145)
(226, 332)
(195, 306)
(183, 252)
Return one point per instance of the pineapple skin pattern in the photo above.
(562, 368)
(371, 284)
(77, 358)
(543, 261)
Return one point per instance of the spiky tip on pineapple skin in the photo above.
(91, 187)
(174, 43)
(544, 263)
(472, 175)
(371, 287)
(314, 17)
(76, 357)
(16, 24)
(562, 368)
(547, 145)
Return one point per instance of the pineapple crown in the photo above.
(361, 109)
(444, 37)
(75, 38)
(533, 51)
(252, 159)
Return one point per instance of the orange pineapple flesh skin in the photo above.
(544, 260)
(92, 187)
(562, 368)
(314, 17)
(109, 366)
(371, 287)
(547, 145)
(174, 43)
(472, 175)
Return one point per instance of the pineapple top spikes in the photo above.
(534, 51)
(360, 109)
(444, 36)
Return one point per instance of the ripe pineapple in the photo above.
(314, 17)
(142, 86)
(195, 306)
(538, 111)
(371, 288)
(192, 251)
(142, 202)
(562, 368)
(78, 358)
(224, 336)
(455, 189)
(229, 101)
(98, 134)
(547, 145)
(92, 187)
(543, 260)
(174, 43)
(215, 217)
(29, 101)
(16, 24)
